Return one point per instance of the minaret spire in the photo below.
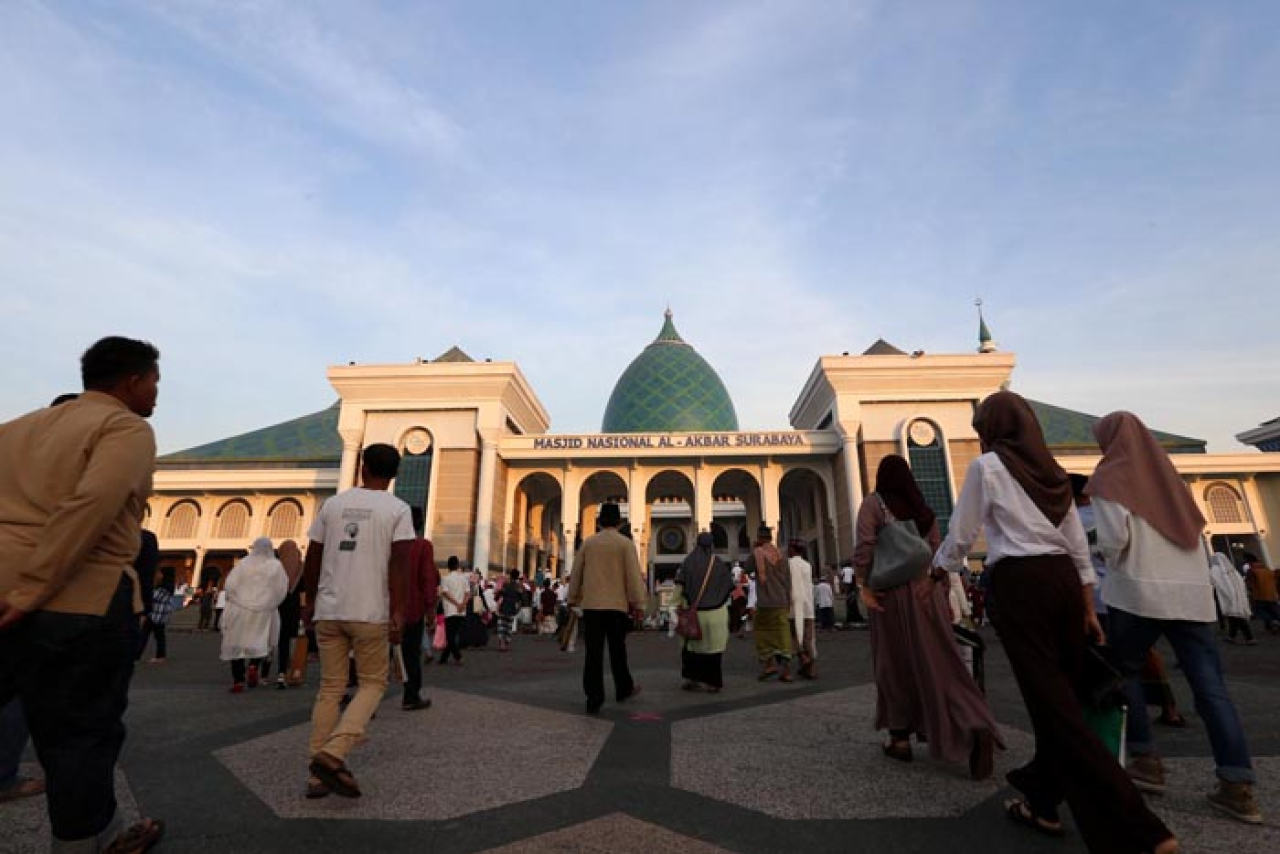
(985, 342)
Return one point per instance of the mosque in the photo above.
(500, 491)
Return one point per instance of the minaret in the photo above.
(985, 342)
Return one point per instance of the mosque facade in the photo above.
(500, 491)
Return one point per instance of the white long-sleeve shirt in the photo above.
(1147, 574)
(993, 502)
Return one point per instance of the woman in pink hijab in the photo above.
(1158, 583)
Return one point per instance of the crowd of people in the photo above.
(1082, 577)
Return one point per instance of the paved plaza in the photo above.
(506, 761)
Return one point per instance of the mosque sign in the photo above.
(658, 441)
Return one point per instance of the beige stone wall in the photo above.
(872, 454)
(453, 522)
(963, 453)
(499, 527)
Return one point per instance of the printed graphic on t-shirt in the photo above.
(353, 516)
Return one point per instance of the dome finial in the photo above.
(668, 332)
(985, 342)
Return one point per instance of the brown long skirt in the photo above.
(922, 684)
(1040, 619)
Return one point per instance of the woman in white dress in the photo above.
(255, 588)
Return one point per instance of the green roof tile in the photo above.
(669, 388)
(309, 439)
(1068, 431)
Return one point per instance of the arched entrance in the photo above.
(737, 509)
(536, 534)
(600, 488)
(806, 516)
(672, 529)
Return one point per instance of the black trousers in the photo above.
(599, 628)
(453, 637)
(156, 630)
(411, 652)
(72, 674)
(1041, 624)
(290, 611)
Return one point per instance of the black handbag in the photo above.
(1101, 684)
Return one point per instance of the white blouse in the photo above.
(992, 501)
(1147, 574)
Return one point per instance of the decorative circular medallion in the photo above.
(672, 539)
(417, 441)
(922, 433)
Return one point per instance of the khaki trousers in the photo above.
(332, 730)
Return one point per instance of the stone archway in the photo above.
(599, 488)
(536, 534)
(736, 493)
(806, 516)
(672, 525)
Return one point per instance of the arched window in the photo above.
(1225, 505)
(929, 464)
(233, 521)
(414, 477)
(146, 516)
(182, 520)
(284, 518)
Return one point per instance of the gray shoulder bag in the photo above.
(902, 555)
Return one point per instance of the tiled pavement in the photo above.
(506, 761)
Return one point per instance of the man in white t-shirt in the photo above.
(355, 578)
(455, 592)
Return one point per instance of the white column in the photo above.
(1257, 516)
(853, 480)
(703, 500)
(484, 505)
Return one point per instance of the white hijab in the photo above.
(1228, 586)
(258, 582)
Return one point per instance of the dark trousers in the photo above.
(1238, 625)
(239, 668)
(453, 637)
(1041, 624)
(290, 611)
(599, 628)
(411, 652)
(72, 673)
(156, 630)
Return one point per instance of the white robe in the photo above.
(1229, 587)
(801, 594)
(251, 623)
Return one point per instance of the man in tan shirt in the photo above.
(607, 586)
(74, 480)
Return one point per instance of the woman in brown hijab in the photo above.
(1042, 582)
(922, 685)
(1158, 583)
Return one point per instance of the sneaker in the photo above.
(1236, 800)
(237, 688)
(1147, 773)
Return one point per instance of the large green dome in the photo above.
(669, 388)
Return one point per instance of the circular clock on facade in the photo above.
(672, 539)
(417, 442)
(922, 434)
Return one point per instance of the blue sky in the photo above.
(264, 189)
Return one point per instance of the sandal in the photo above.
(1019, 812)
(27, 788)
(137, 839)
(331, 771)
(900, 752)
(1176, 720)
(767, 674)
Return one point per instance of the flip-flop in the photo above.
(25, 789)
(331, 771)
(1019, 812)
(137, 839)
